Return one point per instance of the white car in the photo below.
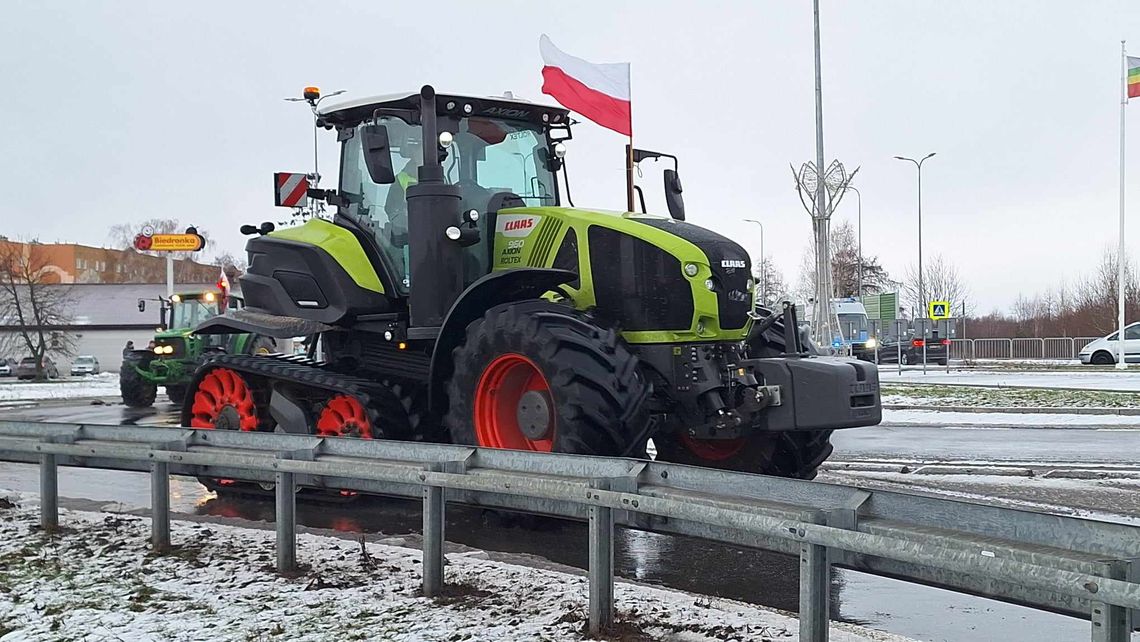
(1103, 351)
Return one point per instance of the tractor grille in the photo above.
(643, 288)
(179, 345)
(730, 267)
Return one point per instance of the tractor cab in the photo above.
(488, 148)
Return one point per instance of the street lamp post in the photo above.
(763, 281)
(921, 287)
(859, 228)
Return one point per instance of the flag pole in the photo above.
(629, 148)
(1120, 258)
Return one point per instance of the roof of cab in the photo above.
(509, 107)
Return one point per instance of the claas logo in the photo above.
(520, 224)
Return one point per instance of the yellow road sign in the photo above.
(939, 310)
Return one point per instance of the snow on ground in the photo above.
(98, 580)
(950, 419)
(1127, 380)
(105, 384)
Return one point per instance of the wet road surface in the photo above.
(679, 562)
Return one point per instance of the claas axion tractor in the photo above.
(455, 298)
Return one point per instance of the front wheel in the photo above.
(797, 455)
(540, 376)
(136, 391)
(1103, 358)
(904, 359)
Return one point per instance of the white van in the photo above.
(1103, 352)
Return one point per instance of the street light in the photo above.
(762, 280)
(859, 197)
(921, 287)
(918, 164)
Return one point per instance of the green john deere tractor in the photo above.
(454, 298)
(177, 352)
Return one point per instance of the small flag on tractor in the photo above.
(290, 189)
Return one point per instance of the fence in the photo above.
(1019, 348)
(1053, 562)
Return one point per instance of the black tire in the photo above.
(904, 358)
(1102, 358)
(137, 392)
(176, 394)
(797, 455)
(596, 389)
(942, 362)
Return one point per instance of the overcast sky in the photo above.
(122, 111)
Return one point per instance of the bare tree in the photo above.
(232, 265)
(941, 282)
(844, 267)
(1095, 296)
(771, 288)
(35, 308)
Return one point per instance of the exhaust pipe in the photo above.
(436, 262)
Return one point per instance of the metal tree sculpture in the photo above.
(825, 326)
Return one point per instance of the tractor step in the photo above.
(270, 325)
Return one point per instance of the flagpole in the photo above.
(629, 148)
(1120, 258)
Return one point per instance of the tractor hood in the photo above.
(663, 280)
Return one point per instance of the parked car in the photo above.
(26, 369)
(84, 365)
(912, 350)
(1103, 351)
(7, 367)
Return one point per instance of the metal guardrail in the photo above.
(1019, 348)
(1065, 564)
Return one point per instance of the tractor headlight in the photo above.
(710, 284)
(210, 297)
(175, 299)
(692, 269)
(158, 350)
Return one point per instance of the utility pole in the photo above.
(821, 318)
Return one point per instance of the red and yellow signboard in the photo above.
(189, 242)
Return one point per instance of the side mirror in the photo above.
(377, 154)
(142, 305)
(673, 199)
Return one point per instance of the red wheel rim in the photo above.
(713, 449)
(497, 397)
(344, 416)
(223, 400)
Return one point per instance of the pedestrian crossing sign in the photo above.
(939, 310)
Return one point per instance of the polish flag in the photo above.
(224, 285)
(599, 92)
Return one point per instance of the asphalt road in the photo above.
(679, 562)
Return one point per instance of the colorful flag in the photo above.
(1133, 77)
(599, 92)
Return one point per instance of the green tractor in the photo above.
(176, 352)
(454, 298)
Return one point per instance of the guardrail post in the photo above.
(1112, 623)
(433, 536)
(286, 517)
(49, 493)
(160, 506)
(815, 580)
(601, 571)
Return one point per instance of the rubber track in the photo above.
(385, 410)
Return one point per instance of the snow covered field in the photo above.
(950, 419)
(97, 580)
(105, 384)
